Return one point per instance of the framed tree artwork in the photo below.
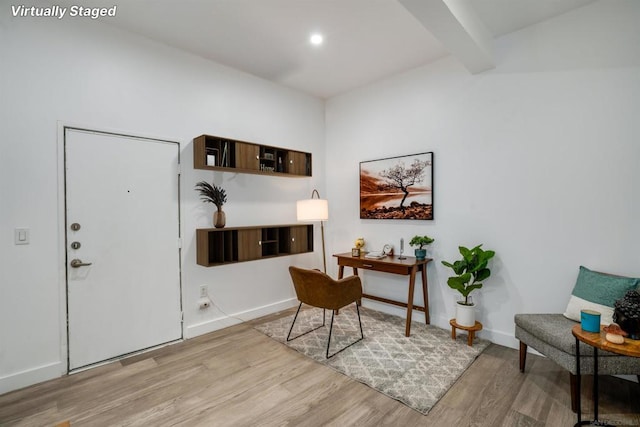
(397, 187)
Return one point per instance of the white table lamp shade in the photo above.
(312, 210)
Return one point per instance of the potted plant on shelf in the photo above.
(420, 242)
(216, 195)
(470, 271)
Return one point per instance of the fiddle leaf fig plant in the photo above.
(470, 271)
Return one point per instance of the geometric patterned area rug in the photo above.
(416, 370)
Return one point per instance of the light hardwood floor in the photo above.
(240, 377)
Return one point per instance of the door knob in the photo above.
(75, 263)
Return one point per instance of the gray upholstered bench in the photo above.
(550, 334)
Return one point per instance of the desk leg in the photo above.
(412, 283)
(425, 294)
(340, 275)
(355, 273)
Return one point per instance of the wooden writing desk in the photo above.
(408, 266)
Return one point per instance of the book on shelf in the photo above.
(225, 160)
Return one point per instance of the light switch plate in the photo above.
(21, 236)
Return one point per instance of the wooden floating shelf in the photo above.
(224, 154)
(220, 246)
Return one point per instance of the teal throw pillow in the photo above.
(598, 291)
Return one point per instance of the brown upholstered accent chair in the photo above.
(317, 289)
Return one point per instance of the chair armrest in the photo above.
(346, 291)
(350, 281)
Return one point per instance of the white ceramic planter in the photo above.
(465, 315)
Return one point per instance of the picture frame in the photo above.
(355, 252)
(212, 156)
(398, 187)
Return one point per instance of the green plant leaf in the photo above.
(477, 265)
(461, 280)
(482, 275)
(466, 253)
(458, 266)
(473, 287)
(456, 286)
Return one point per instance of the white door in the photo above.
(122, 238)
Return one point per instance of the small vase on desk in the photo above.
(219, 218)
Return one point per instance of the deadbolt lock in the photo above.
(75, 226)
(75, 245)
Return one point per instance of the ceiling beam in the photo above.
(456, 25)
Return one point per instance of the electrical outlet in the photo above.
(203, 291)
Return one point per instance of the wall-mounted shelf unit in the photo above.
(218, 246)
(216, 153)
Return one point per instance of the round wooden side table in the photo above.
(597, 341)
(470, 329)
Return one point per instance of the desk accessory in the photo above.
(590, 320)
(375, 255)
(402, 249)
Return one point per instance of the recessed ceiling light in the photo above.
(316, 39)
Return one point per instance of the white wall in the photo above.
(537, 159)
(83, 72)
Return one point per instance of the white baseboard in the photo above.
(234, 318)
(31, 376)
